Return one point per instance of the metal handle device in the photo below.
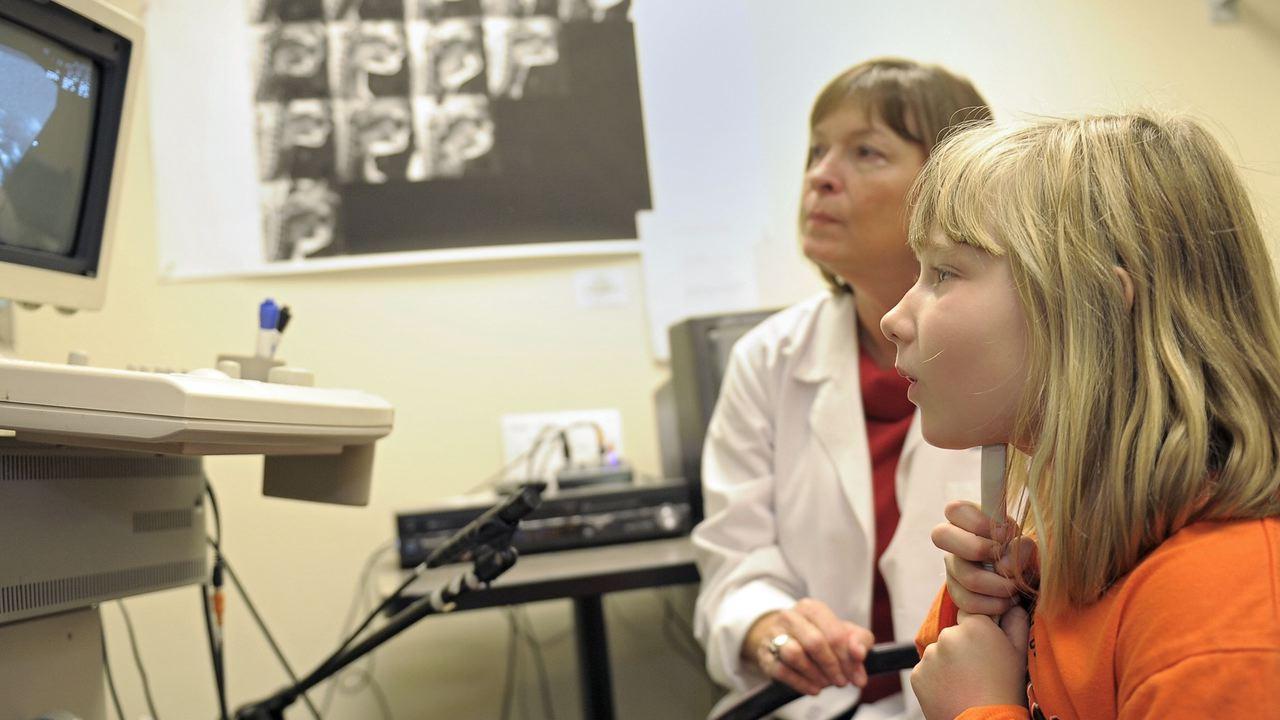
(993, 464)
(883, 658)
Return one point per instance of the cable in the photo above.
(386, 602)
(357, 604)
(497, 476)
(106, 668)
(379, 697)
(216, 647)
(670, 613)
(678, 639)
(528, 456)
(539, 661)
(266, 633)
(507, 503)
(219, 681)
(211, 600)
(509, 679)
(675, 639)
(217, 515)
(137, 658)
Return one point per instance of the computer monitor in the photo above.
(700, 348)
(66, 91)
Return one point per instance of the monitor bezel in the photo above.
(112, 40)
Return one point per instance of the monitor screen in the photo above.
(48, 95)
(65, 99)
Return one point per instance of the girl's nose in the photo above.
(897, 324)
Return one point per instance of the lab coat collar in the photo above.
(837, 418)
(835, 340)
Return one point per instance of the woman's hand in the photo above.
(969, 541)
(808, 647)
(974, 664)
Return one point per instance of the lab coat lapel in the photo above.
(836, 418)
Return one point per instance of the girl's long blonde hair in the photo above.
(1139, 420)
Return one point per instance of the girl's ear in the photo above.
(1126, 286)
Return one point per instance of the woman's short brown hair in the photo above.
(923, 104)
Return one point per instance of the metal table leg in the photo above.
(593, 658)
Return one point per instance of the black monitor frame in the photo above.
(111, 54)
(695, 385)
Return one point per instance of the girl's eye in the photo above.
(942, 274)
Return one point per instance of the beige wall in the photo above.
(456, 346)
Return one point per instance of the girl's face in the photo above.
(961, 335)
(853, 212)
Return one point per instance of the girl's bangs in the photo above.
(956, 194)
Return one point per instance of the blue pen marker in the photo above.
(268, 335)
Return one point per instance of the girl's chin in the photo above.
(949, 438)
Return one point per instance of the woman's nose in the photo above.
(823, 175)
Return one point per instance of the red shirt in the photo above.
(888, 415)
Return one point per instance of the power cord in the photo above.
(213, 603)
(358, 602)
(106, 668)
(561, 433)
(221, 564)
(521, 630)
(137, 658)
(673, 635)
(679, 634)
(215, 654)
(540, 662)
(266, 633)
(529, 455)
(511, 679)
(497, 477)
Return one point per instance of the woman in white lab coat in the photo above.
(819, 490)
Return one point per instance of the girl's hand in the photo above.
(808, 647)
(974, 664)
(969, 541)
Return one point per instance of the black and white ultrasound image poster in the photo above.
(404, 125)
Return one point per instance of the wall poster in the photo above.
(394, 126)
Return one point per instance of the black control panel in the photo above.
(569, 519)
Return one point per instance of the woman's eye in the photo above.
(815, 154)
(866, 151)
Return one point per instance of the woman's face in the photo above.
(961, 335)
(853, 219)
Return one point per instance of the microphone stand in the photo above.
(492, 557)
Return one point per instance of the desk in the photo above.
(583, 575)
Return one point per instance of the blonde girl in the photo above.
(1096, 293)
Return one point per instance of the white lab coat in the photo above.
(786, 477)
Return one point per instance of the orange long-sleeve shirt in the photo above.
(1192, 632)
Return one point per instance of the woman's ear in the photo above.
(1126, 286)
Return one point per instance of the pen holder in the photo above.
(253, 367)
